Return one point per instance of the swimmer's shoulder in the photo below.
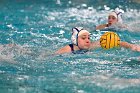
(65, 49)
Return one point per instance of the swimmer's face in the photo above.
(112, 20)
(84, 41)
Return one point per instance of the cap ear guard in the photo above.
(77, 29)
(74, 36)
(119, 16)
(119, 13)
(73, 39)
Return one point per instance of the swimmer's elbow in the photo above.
(126, 45)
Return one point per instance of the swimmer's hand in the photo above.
(133, 47)
(136, 48)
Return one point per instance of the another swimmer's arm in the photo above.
(131, 46)
(101, 26)
(65, 49)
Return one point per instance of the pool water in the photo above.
(36, 29)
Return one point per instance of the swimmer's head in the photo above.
(76, 32)
(117, 15)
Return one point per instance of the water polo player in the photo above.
(81, 42)
(114, 20)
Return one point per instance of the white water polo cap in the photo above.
(77, 31)
(117, 15)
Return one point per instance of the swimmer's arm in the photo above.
(95, 44)
(130, 46)
(101, 26)
(65, 49)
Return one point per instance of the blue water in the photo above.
(38, 28)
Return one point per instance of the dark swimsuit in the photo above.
(78, 51)
(71, 46)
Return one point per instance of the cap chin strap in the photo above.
(79, 48)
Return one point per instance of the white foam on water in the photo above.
(108, 81)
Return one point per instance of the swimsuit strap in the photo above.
(71, 46)
(78, 51)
